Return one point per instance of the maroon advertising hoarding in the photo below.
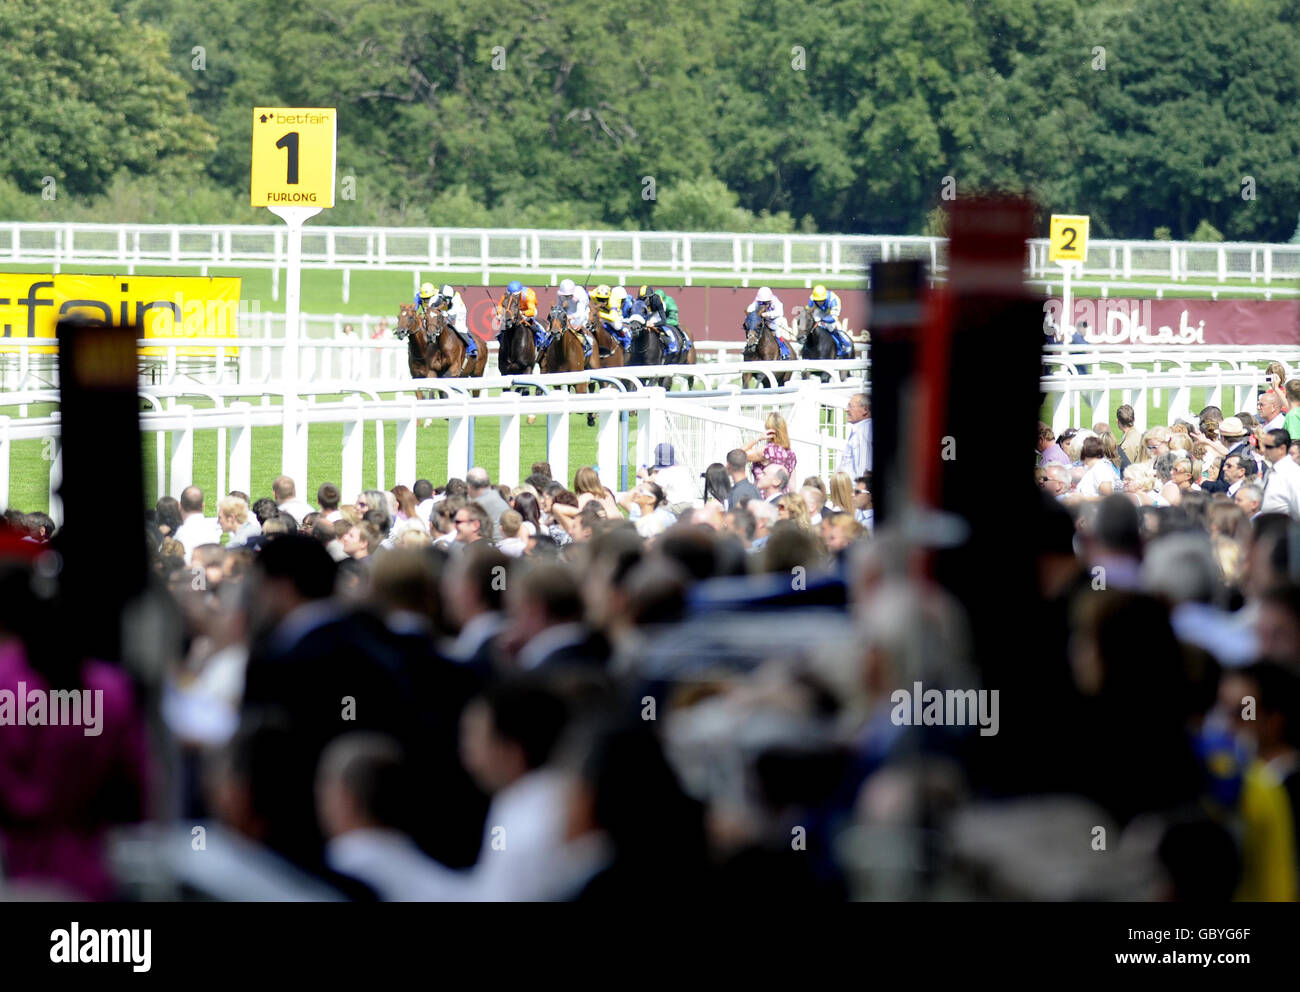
(1183, 322)
(713, 313)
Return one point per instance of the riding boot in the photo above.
(470, 348)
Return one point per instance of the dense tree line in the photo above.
(764, 115)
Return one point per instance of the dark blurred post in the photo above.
(983, 395)
(896, 313)
(977, 416)
(104, 555)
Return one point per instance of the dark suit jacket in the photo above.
(592, 652)
(355, 657)
(741, 492)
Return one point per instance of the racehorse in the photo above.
(648, 349)
(518, 350)
(447, 356)
(410, 326)
(605, 342)
(564, 353)
(816, 340)
(760, 346)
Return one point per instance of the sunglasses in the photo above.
(1273, 446)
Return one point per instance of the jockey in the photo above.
(450, 303)
(825, 306)
(663, 315)
(618, 301)
(772, 313)
(574, 302)
(527, 310)
(424, 297)
(610, 314)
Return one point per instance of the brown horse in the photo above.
(564, 353)
(608, 353)
(447, 355)
(410, 326)
(761, 346)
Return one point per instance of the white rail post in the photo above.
(241, 449)
(508, 460)
(56, 480)
(557, 441)
(182, 460)
(607, 447)
(407, 431)
(458, 444)
(353, 450)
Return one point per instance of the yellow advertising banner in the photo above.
(164, 307)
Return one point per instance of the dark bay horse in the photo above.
(517, 353)
(648, 349)
(760, 346)
(816, 340)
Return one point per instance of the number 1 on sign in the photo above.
(290, 143)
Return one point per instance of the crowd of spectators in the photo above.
(557, 691)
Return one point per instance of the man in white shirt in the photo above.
(1282, 484)
(856, 458)
(674, 479)
(1271, 414)
(195, 528)
(424, 501)
(287, 501)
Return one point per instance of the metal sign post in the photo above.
(293, 459)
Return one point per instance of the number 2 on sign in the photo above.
(290, 143)
(1069, 232)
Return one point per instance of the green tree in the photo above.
(86, 94)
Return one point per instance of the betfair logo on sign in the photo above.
(304, 117)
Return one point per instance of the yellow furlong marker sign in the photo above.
(164, 307)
